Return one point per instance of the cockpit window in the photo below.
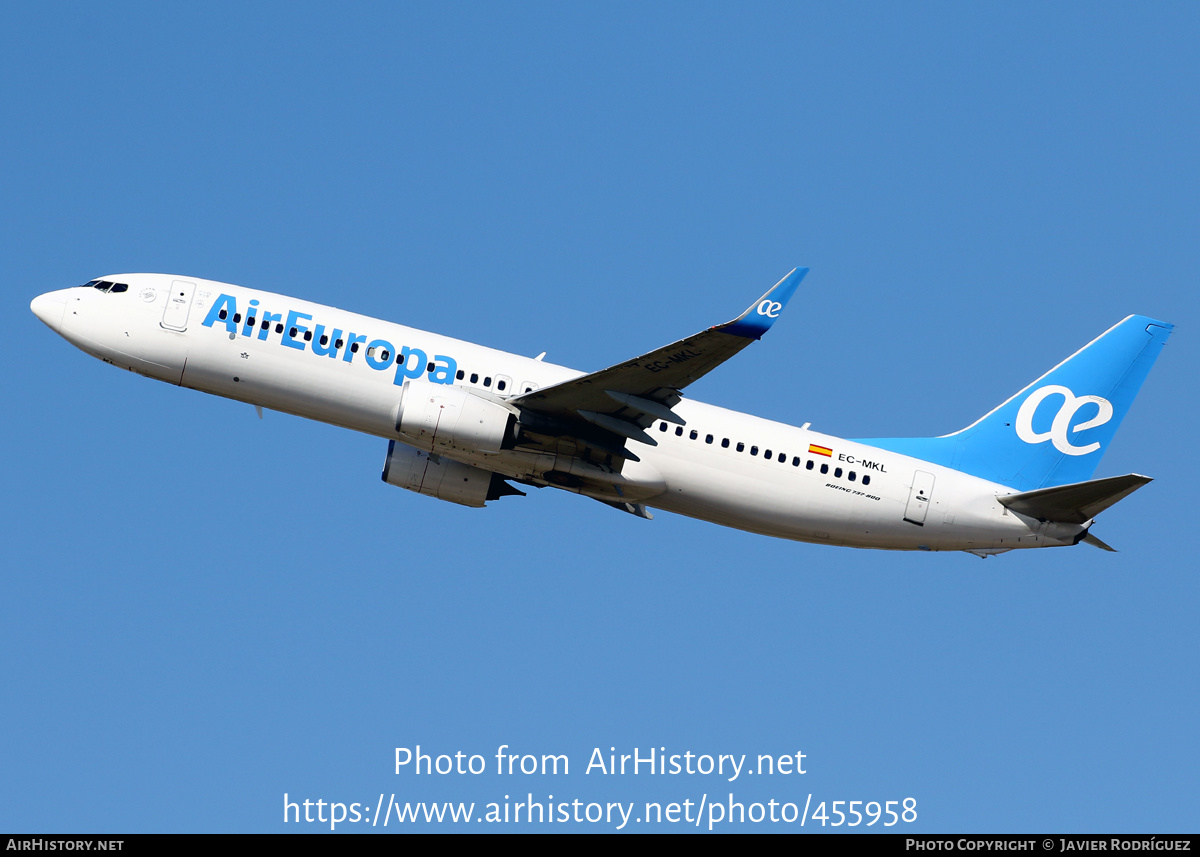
(106, 286)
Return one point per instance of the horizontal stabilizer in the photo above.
(1077, 503)
(1089, 539)
(635, 509)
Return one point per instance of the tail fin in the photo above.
(1054, 431)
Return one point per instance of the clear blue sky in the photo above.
(200, 612)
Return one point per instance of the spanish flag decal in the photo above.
(813, 449)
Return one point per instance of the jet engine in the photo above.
(433, 416)
(437, 476)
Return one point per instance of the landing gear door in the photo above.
(179, 305)
(919, 498)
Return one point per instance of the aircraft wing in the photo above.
(626, 398)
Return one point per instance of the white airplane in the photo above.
(461, 419)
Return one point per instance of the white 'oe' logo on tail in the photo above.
(770, 308)
(1062, 420)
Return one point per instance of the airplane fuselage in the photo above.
(353, 371)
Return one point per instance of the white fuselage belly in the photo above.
(692, 477)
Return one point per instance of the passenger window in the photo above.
(279, 329)
(324, 339)
(223, 314)
(251, 320)
(708, 438)
(237, 318)
(754, 450)
(500, 385)
(866, 479)
(767, 455)
(678, 431)
(724, 443)
(852, 475)
(741, 447)
(795, 461)
(808, 465)
(824, 468)
(693, 434)
(783, 458)
(353, 347)
(266, 324)
(338, 344)
(308, 338)
(474, 377)
(837, 471)
(460, 374)
(662, 426)
(487, 381)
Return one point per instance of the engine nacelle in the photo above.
(437, 476)
(433, 416)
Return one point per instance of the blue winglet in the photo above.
(757, 320)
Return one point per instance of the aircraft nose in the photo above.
(49, 308)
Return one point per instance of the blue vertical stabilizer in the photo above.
(1054, 431)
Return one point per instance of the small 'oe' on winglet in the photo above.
(761, 314)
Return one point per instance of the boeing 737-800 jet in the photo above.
(463, 421)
